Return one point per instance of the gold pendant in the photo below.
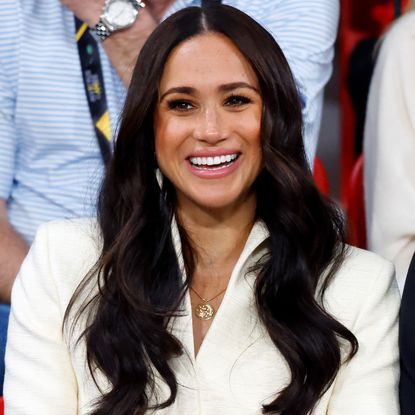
(204, 311)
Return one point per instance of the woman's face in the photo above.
(207, 123)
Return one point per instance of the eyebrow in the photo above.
(222, 88)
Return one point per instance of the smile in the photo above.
(213, 163)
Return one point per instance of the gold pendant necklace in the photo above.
(204, 310)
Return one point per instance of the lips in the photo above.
(213, 162)
(213, 165)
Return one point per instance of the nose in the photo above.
(210, 126)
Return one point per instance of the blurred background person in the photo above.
(389, 148)
(390, 179)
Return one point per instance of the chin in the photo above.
(216, 204)
(220, 202)
(215, 197)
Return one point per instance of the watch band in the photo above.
(206, 3)
(101, 30)
(138, 4)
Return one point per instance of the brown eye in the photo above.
(180, 105)
(237, 100)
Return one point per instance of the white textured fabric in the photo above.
(50, 163)
(237, 368)
(389, 149)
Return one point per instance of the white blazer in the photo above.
(237, 368)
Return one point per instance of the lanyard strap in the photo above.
(94, 87)
(210, 2)
(397, 8)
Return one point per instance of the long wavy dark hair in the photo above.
(140, 281)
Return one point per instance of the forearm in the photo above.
(13, 250)
(123, 46)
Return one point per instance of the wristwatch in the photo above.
(118, 14)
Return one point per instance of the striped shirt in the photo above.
(50, 162)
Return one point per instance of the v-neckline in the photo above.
(234, 297)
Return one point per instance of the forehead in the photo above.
(204, 60)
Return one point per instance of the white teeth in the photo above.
(213, 161)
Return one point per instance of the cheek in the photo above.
(165, 138)
(170, 132)
(163, 151)
(170, 136)
(249, 124)
(252, 132)
(159, 140)
(159, 127)
(253, 136)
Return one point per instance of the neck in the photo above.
(218, 237)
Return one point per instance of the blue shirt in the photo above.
(50, 162)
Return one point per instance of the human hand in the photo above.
(123, 46)
(89, 11)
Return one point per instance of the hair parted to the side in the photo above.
(140, 282)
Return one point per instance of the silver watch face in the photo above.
(119, 14)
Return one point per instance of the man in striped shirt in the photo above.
(50, 162)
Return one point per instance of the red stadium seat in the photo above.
(320, 177)
(355, 207)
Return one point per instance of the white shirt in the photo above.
(237, 368)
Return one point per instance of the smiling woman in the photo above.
(216, 279)
(207, 125)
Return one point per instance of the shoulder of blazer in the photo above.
(73, 248)
(364, 278)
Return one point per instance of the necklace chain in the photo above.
(204, 310)
(204, 299)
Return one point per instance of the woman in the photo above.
(219, 285)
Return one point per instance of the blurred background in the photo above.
(361, 25)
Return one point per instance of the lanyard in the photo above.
(397, 8)
(94, 87)
(210, 2)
